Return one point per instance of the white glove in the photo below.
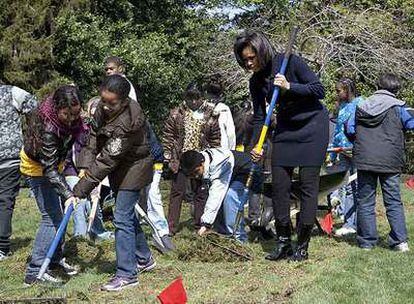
(72, 200)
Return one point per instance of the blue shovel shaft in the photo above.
(244, 198)
(276, 91)
(59, 234)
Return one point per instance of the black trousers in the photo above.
(9, 188)
(308, 194)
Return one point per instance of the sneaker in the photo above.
(119, 283)
(4, 255)
(65, 268)
(47, 279)
(105, 236)
(401, 247)
(344, 231)
(335, 201)
(150, 265)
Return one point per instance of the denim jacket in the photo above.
(346, 111)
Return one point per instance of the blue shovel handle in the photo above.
(59, 234)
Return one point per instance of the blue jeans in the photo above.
(348, 202)
(154, 202)
(50, 208)
(230, 208)
(130, 243)
(80, 214)
(367, 235)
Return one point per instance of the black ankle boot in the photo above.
(283, 248)
(301, 252)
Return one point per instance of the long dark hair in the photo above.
(258, 42)
(349, 85)
(45, 117)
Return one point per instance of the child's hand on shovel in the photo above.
(72, 200)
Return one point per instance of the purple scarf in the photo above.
(49, 115)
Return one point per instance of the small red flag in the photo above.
(327, 223)
(174, 293)
(410, 183)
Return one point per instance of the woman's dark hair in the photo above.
(192, 92)
(47, 113)
(66, 96)
(389, 82)
(190, 160)
(258, 42)
(116, 84)
(348, 84)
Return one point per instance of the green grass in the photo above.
(337, 271)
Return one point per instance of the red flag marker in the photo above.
(327, 223)
(410, 183)
(174, 293)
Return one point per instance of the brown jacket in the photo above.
(117, 148)
(174, 132)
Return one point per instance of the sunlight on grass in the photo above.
(337, 272)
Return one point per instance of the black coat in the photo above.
(302, 131)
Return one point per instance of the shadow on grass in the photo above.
(20, 243)
(77, 250)
(351, 240)
(186, 224)
(265, 238)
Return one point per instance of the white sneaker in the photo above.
(344, 231)
(65, 267)
(335, 201)
(4, 256)
(401, 247)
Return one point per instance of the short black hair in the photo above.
(192, 92)
(389, 82)
(213, 87)
(190, 160)
(116, 84)
(258, 42)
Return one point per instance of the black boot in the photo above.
(301, 252)
(283, 248)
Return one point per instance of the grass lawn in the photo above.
(337, 271)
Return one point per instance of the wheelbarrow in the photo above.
(331, 178)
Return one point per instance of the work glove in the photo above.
(72, 200)
(82, 173)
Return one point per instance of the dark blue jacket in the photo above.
(302, 131)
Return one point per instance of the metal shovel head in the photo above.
(156, 235)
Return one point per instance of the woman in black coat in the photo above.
(299, 140)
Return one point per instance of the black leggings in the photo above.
(308, 194)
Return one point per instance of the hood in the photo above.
(380, 102)
(372, 111)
